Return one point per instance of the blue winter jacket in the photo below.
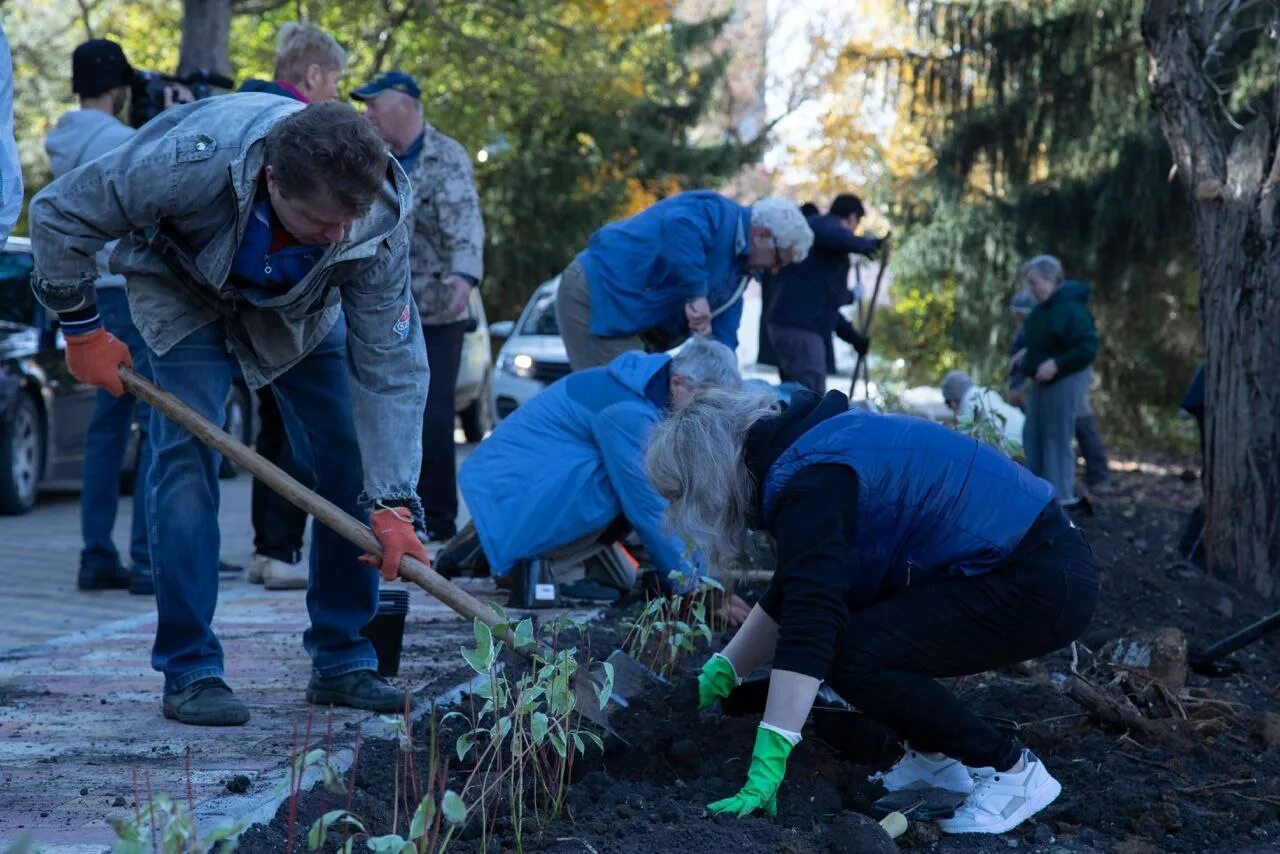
(642, 270)
(808, 295)
(931, 502)
(569, 462)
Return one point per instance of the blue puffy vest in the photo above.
(931, 502)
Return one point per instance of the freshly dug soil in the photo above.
(1219, 790)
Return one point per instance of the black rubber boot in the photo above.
(208, 702)
(361, 689)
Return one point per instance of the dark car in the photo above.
(44, 411)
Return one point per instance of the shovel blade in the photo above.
(630, 680)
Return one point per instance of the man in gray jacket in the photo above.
(100, 76)
(447, 262)
(255, 232)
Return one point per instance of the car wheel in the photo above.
(21, 456)
(239, 424)
(477, 419)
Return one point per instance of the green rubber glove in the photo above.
(768, 765)
(716, 681)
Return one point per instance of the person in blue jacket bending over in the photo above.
(676, 268)
(569, 462)
(905, 552)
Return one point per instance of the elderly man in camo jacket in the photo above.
(447, 261)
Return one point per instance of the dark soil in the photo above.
(1216, 788)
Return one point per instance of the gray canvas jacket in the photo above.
(178, 195)
(448, 231)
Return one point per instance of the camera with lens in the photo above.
(150, 95)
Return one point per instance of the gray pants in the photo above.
(1089, 438)
(573, 313)
(802, 358)
(1050, 427)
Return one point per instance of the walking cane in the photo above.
(866, 326)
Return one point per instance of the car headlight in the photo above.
(519, 364)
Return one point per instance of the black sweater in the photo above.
(812, 524)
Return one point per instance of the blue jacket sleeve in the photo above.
(10, 165)
(684, 248)
(622, 433)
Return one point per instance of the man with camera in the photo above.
(447, 262)
(102, 77)
(262, 234)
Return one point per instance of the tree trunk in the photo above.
(206, 36)
(1233, 188)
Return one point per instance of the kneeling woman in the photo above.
(905, 552)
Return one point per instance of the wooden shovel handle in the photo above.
(325, 511)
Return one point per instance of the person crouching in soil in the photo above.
(906, 552)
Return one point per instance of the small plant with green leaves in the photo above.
(989, 428)
(529, 729)
(433, 821)
(165, 826)
(669, 628)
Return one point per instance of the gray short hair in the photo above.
(695, 461)
(786, 223)
(705, 363)
(300, 46)
(954, 386)
(1046, 267)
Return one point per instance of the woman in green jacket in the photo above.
(1061, 344)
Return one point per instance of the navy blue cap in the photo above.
(395, 81)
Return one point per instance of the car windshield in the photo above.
(541, 319)
(17, 302)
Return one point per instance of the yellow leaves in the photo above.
(643, 194)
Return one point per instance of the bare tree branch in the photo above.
(87, 8)
(257, 7)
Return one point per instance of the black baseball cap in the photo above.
(98, 66)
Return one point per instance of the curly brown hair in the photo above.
(328, 148)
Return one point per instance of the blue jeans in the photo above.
(315, 400)
(105, 441)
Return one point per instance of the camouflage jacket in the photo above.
(448, 232)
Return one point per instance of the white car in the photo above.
(471, 395)
(533, 356)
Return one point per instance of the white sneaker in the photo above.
(1001, 800)
(918, 771)
(278, 575)
(257, 568)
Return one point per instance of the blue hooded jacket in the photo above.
(642, 270)
(569, 462)
(931, 502)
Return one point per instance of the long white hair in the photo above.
(695, 461)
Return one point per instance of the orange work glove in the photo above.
(95, 358)
(393, 526)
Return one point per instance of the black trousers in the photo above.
(893, 651)
(438, 480)
(801, 357)
(278, 526)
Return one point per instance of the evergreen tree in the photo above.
(1044, 140)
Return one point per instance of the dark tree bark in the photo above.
(1233, 180)
(206, 36)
